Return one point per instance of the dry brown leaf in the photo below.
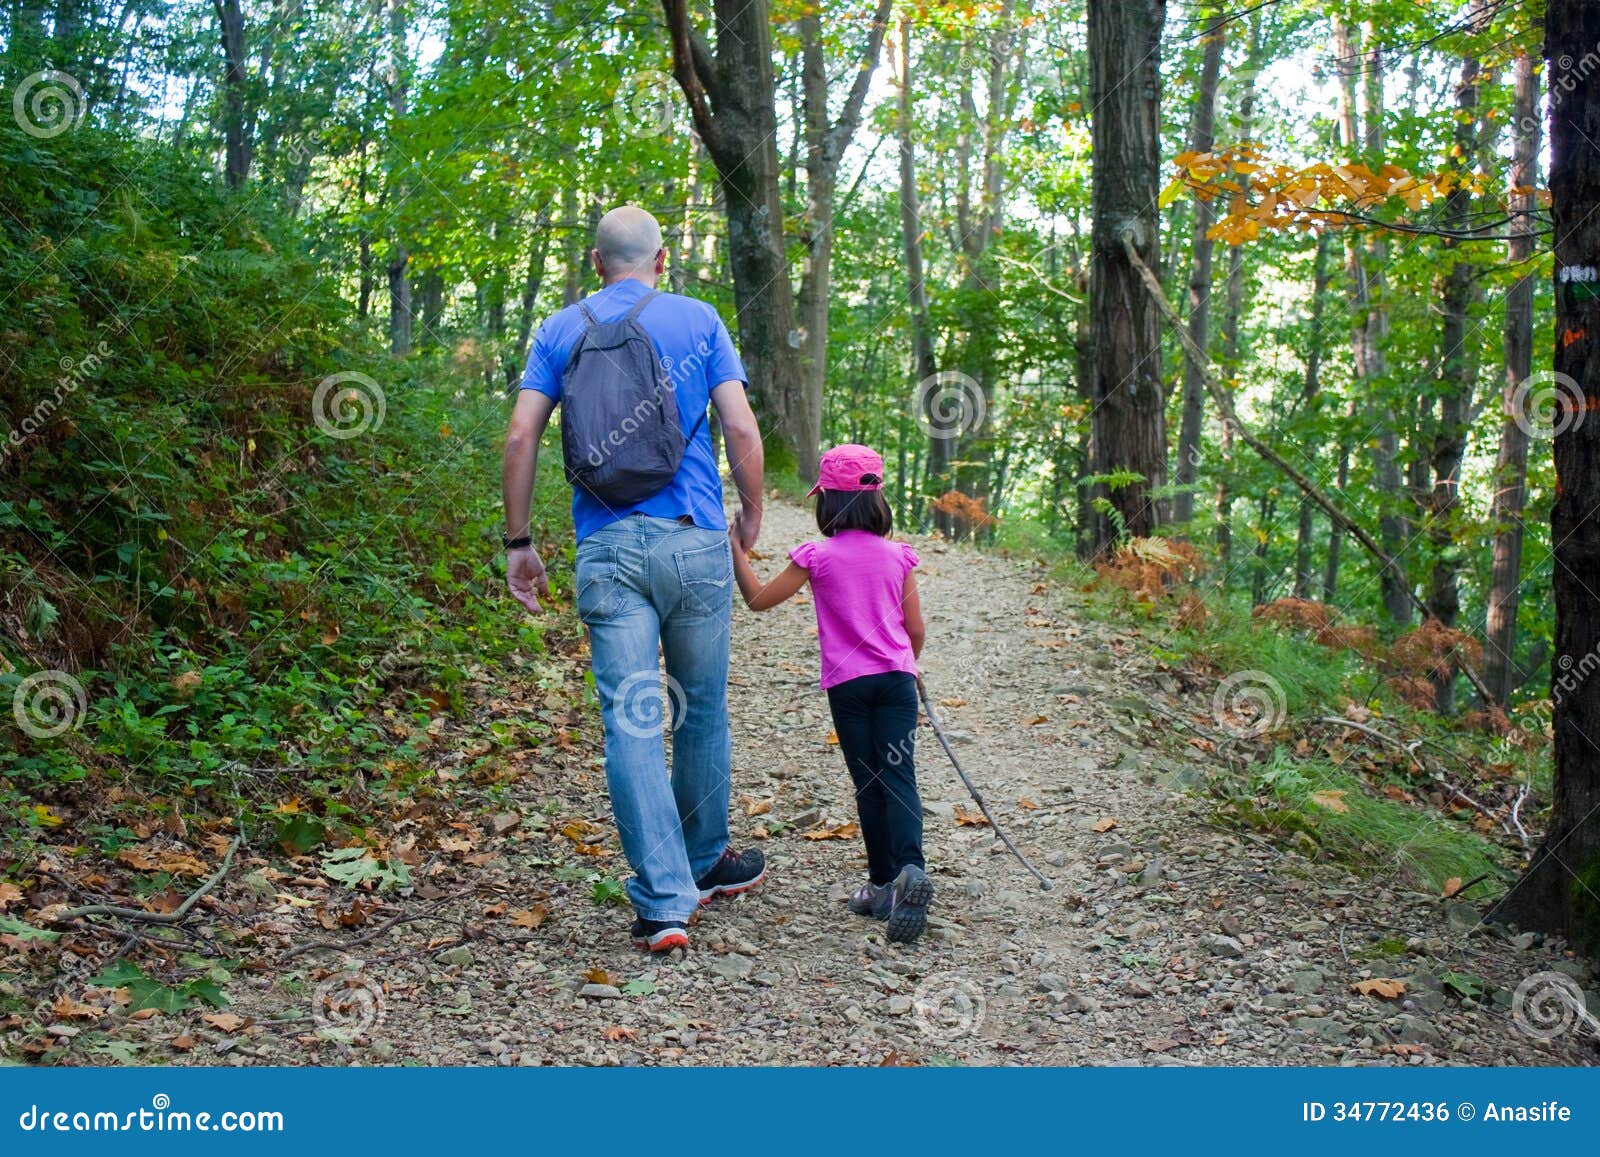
(1383, 989)
(616, 1032)
(842, 832)
(530, 917)
(68, 1009)
(952, 703)
(1452, 886)
(598, 975)
(1027, 804)
(833, 739)
(225, 1021)
(9, 893)
(1035, 720)
(967, 820)
(183, 1043)
(1105, 825)
(1332, 800)
(756, 807)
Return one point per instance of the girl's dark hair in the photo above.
(854, 510)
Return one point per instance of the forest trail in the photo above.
(1165, 940)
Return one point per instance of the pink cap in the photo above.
(847, 467)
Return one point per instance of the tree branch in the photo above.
(844, 129)
(695, 72)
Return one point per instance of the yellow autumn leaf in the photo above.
(1332, 800)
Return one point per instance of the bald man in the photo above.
(653, 578)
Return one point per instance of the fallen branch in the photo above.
(1202, 363)
(364, 938)
(176, 916)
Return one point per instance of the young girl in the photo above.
(869, 625)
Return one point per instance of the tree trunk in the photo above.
(730, 97)
(235, 130)
(1511, 471)
(1456, 377)
(923, 366)
(1233, 317)
(399, 256)
(1364, 266)
(1561, 891)
(1201, 138)
(1129, 420)
(826, 142)
(1304, 574)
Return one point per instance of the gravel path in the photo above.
(1166, 940)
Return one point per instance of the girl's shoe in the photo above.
(909, 897)
(871, 900)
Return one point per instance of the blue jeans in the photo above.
(647, 585)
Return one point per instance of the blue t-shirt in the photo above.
(697, 353)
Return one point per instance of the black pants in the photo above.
(876, 718)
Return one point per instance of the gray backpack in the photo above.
(620, 432)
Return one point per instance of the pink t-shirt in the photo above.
(856, 581)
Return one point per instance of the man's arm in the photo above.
(746, 461)
(525, 573)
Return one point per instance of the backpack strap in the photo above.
(589, 323)
(638, 306)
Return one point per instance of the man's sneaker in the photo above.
(659, 935)
(736, 872)
(910, 894)
(871, 900)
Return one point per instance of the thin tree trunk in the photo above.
(826, 142)
(1511, 471)
(236, 139)
(1233, 319)
(1129, 435)
(1456, 379)
(400, 316)
(1561, 891)
(1304, 574)
(1201, 138)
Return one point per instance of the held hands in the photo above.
(526, 578)
(745, 527)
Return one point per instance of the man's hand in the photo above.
(746, 527)
(526, 578)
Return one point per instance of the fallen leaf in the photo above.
(833, 739)
(530, 917)
(952, 703)
(1161, 1046)
(1027, 804)
(9, 893)
(182, 1043)
(967, 820)
(842, 832)
(616, 1032)
(756, 807)
(1383, 989)
(1105, 825)
(68, 1009)
(599, 975)
(1034, 721)
(1332, 800)
(1452, 886)
(225, 1021)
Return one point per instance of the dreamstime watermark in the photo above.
(1549, 1004)
(347, 1004)
(1249, 703)
(48, 703)
(348, 404)
(47, 104)
(160, 1117)
(645, 704)
(1547, 404)
(643, 103)
(74, 371)
(1572, 674)
(948, 1006)
(949, 404)
(1234, 86)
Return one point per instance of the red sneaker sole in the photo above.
(738, 890)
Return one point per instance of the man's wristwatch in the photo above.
(516, 543)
